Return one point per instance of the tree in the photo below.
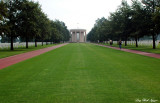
(139, 21)
(3, 18)
(29, 18)
(13, 11)
(25, 19)
(126, 15)
(156, 19)
(92, 35)
(99, 31)
(59, 31)
(116, 23)
(45, 27)
(128, 22)
(151, 6)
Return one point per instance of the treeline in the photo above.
(24, 19)
(129, 22)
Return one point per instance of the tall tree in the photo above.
(156, 19)
(13, 11)
(62, 33)
(44, 25)
(3, 18)
(126, 14)
(151, 5)
(39, 17)
(139, 21)
(29, 19)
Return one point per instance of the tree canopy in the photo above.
(26, 20)
(129, 22)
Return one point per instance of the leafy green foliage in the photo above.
(129, 22)
(151, 6)
(27, 21)
(3, 16)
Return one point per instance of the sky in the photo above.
(78, 14)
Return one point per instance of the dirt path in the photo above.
(134, 51)
(5, 62)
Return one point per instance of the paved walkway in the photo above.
(134, 51)
(5, 62)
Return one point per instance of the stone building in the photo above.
(78, 35)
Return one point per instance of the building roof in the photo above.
(77, 29)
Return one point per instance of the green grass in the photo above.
(140, 48)
(81, 73)
(6, 52)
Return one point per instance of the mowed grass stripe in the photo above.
(128, 73)
(81, 73)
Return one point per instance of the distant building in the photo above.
(78, 35)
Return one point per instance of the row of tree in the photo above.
(129, 22)
(26, 20)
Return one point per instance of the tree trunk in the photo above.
(12, 43)
(126, 41)
(42, 42)
(46, 43)
(26, 42)
(35, 42)
(153, 35)
(154, 44)
(136, 39)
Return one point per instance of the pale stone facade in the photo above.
(78, 35)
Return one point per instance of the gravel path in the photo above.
(5, 62)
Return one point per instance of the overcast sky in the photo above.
(79, 13)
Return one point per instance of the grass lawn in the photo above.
(140, 48)
(7, 52)
(82, 73)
